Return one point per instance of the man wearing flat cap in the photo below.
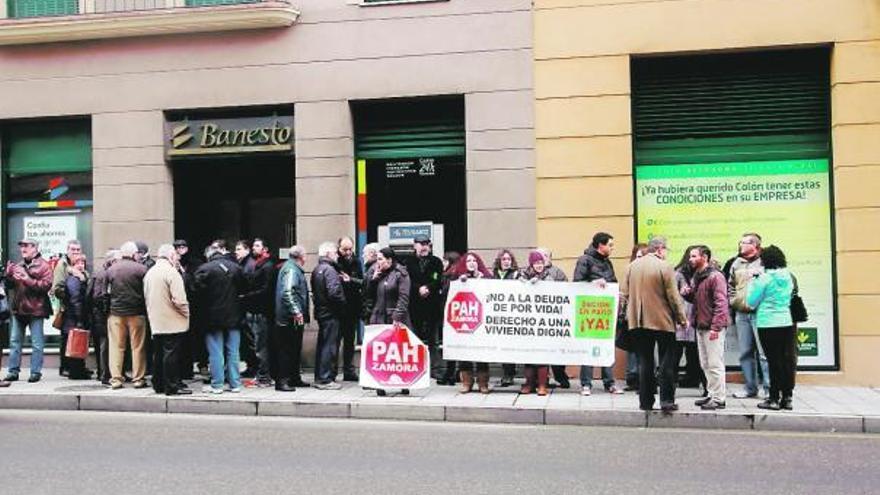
(425, 305)
(30, 279)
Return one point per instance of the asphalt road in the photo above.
(120, 454)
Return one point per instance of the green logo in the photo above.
(594, 317)
(808, 342)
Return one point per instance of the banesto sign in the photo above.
(191, 137)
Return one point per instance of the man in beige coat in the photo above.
(168, 311)
(654, 307)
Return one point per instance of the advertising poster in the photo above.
(393, 357)
(51, 231)
(500, 321)
(787, 202)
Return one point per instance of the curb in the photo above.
(783, 421)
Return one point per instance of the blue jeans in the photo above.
(216, 341)
(258, 325)
(632, 368)
(587, 377)
(16, 338)
(747, 335)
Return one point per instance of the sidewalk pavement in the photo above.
(816, 409)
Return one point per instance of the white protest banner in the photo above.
(503, 321)
(393, 357)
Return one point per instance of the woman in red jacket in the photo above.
(471, 266)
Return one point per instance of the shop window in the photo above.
(47, 188)
(205, 3)
(41, 8)
(732, 143)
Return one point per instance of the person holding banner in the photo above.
(505, 268)
(471, 266)
(654, 307)
(536, 375)
(595, 267)
(450, 261)
(386, 300)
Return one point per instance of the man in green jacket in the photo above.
(291, 316)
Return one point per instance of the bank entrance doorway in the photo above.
(411, 174)
(235, 198)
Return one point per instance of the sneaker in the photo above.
(328, 386)
(506, 381)
(742, 394)
(769, 404)
(235, 390)
(211, 390)
(35, 377)
(713, 405)
(668, 407)
(140, 384)
(613, 390)
(586, 391)
(5, 384)
(350, 377)
(785, 403)
(703, 401)
(115, 385)
(11, 377)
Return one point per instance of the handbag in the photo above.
(58, 319)
(77, 343)
(796, 306)
(625, 340)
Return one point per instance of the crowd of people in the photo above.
(178, 313)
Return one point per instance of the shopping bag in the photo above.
(77, 343)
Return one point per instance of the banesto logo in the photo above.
(180, 136)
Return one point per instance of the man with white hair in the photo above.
(329, 309)
(291, 316)
(168, 311)
(125, 289)
(369, 254)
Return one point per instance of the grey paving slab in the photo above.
(595, 417)
(199, 405)
(700, 420)
(305, 409)
(398, 411)
(872, 424)
(786, 421)
(495, 414)
(40, 401)
(104, 402)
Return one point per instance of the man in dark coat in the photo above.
(595, 267)
(218, 284)
(329, 298)
(425, 304)
(258, 303)
(352, 284)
